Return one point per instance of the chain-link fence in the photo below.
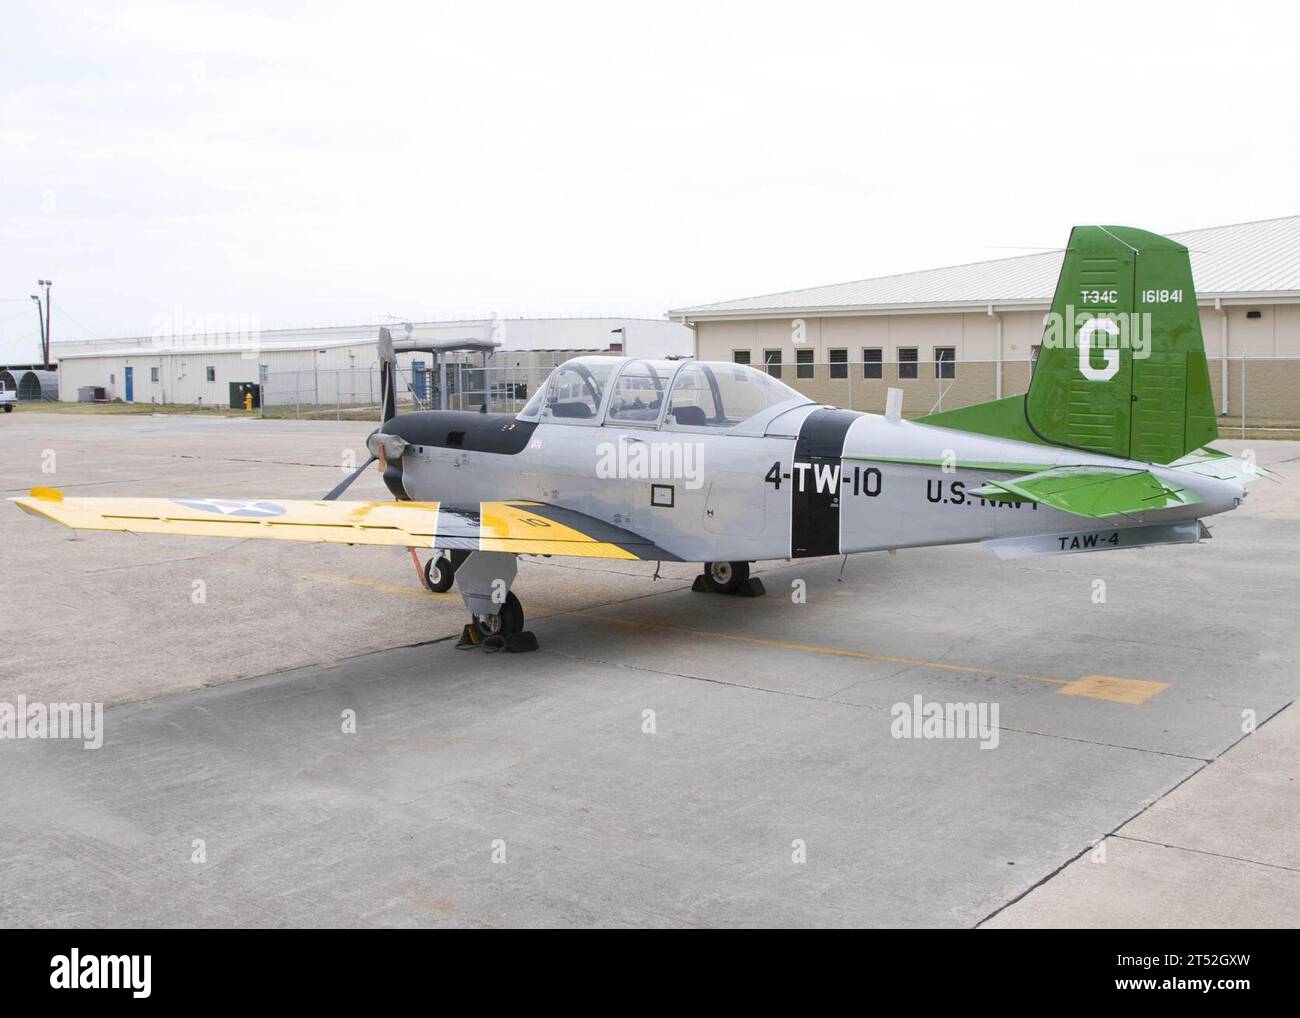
(1262, 394)
(351, 392)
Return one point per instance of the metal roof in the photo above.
(1243, 260)
(516, 335)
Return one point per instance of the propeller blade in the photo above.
(343, 485)
(387, 365)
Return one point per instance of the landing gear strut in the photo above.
(728, 578)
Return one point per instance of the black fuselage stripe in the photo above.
(815, 483)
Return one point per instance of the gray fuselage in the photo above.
(799, 481)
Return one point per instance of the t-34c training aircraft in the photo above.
(723, 464)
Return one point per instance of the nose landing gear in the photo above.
(440, 571)
(439, 574)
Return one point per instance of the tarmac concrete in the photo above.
(766, 787)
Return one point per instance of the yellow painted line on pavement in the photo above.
(379, 585)
(1096, 687)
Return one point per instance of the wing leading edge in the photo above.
(520, 527)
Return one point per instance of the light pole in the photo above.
(45, 346)
(40, 316)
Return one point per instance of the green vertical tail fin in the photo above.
(1122, 367)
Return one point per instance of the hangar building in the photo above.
(324, 366)
(968, 333)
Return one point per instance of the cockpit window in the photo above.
(709, 395)
(575, 389)
(639, 393)
(534, 405)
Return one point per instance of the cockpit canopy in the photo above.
(656, 393)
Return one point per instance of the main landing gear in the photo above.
(496, 616)
(728, 578)
(509, 621)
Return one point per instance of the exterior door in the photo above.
(129, 379)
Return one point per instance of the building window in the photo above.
(803, 364)
(741, 356)
(945, 362)
(212, 373)
(872, 362)
(839, 364)
(153, 375)
(772, 358)
(907, 362)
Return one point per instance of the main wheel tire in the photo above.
(508, 621)
(725, 577)
(438, 574)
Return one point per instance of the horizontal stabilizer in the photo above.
(1106, 539)
(1096, 492)
(1211, 462)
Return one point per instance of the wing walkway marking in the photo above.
(1094, 687)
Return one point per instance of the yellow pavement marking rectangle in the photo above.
(1107, 687)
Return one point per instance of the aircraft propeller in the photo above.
(388, 367)
(342, 486)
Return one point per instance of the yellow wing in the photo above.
(521, 527)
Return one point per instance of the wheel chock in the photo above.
(469, 637)
(514, 643)
(752, 587)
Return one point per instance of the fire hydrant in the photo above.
(248, 401)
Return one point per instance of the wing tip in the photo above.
(43, 502)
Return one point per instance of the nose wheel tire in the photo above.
(725, 577)
(438, 574)
(507, 622)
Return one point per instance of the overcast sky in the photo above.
(334, 163)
